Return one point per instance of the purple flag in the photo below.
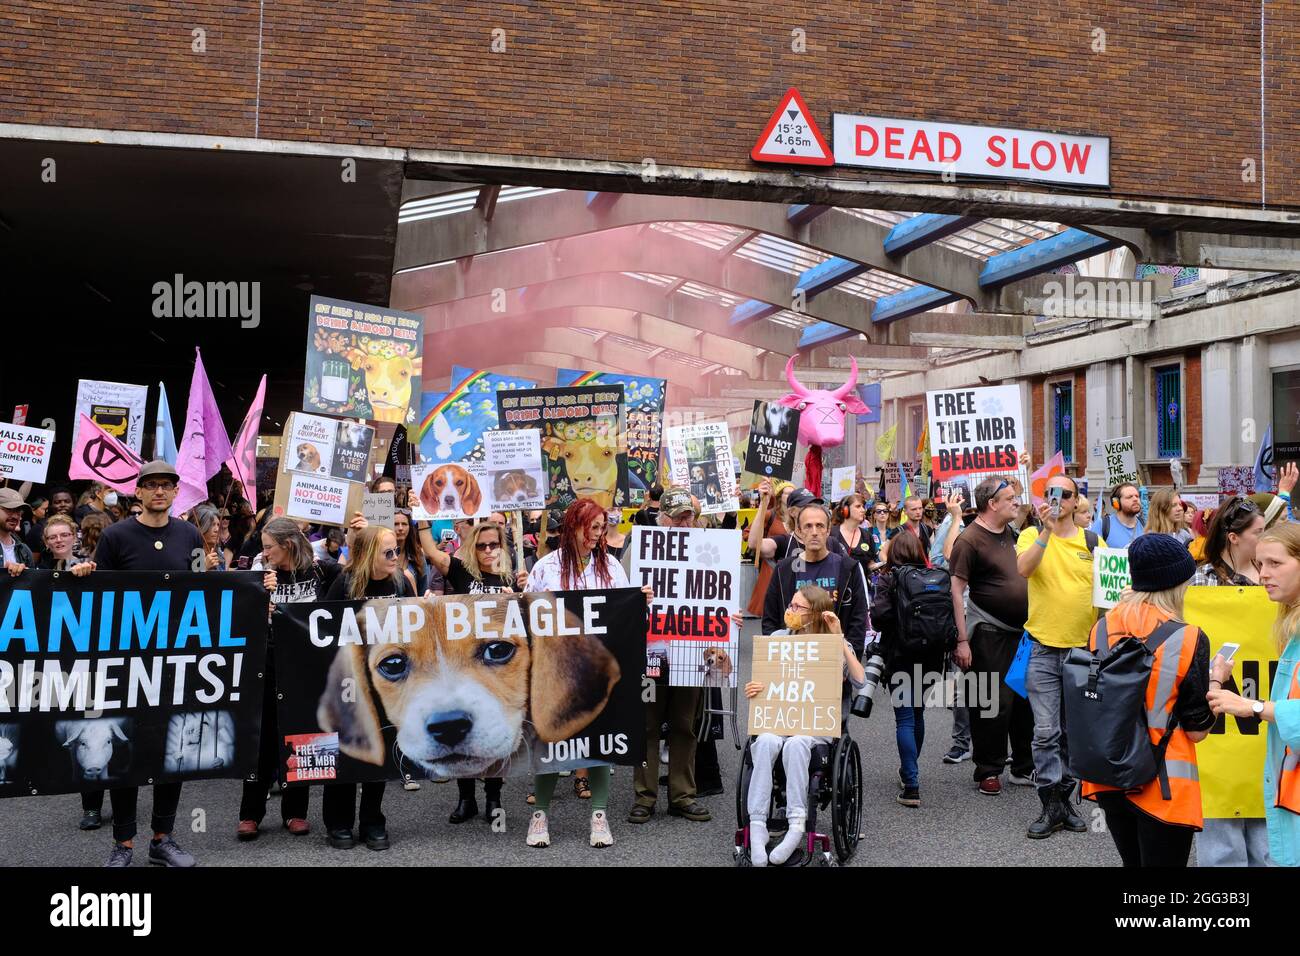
(204, 445)
(243, 463)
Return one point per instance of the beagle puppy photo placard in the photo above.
(460, 686)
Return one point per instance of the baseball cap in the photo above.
(802, 497)
(158, 469)
(11, 500)
(675, 501)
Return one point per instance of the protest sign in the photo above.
(114, 407)
(644, 398)
(123, 678)
(516, 480)
(363, 361)
(1200, 501)
(20, 414)
(773, 435)
(452, 423)
(1236, 480)
(700, 458)
(1231, 757)
(584, 438)
(974, 432)
(1110, 576)
(361, 682)
(24, 452)
(318, 498)
(450, 491)
(695, 614)
(802, 677)
(328, 446)
(1121, 461)
(842, 481)
(100, 457)
(378, 508)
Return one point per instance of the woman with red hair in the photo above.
(581, 563)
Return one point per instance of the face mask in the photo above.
(793, 619)
(110, 499)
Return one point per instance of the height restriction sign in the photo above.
(791, 136)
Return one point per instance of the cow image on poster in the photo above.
(590, 462)
(388, 385)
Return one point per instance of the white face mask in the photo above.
(110, 499)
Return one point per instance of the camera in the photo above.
(875, 669)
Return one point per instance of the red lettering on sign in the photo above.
(945, 140)
(1016, 162)
(1072, 156)
(921, 144)
(875, 140)
(1051, 155)
(995, 147)
(893, 142)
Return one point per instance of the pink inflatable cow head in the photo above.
(821, 418)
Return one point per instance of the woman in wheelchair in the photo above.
(810, 612)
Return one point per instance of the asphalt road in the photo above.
(954, 826)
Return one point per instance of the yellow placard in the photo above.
(1231, 762)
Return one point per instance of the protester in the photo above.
(809, 612)
(1083, 513)
(989, 625)
(92, 527)
(1150, 829)
(858, 542)
(782, 546)
(1279, 559)
(879, 531)
(1058, 563)
(413, 559)
(61, 501)
(941, 545)
(374, 571)
(580, 563)
(293, 575)
(208, 520)
(908, 666)
(615, 540)
(92, 501)
(33, 528)
(1166, 515)
(152, 542)
(60, 545)
(1125, 524)
(1230, 544)
(15, 550)
(914, 509)
(676, 706)
(770, 518)
(649, 513)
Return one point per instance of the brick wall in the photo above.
(1037, 429)
(684, 83)
(1080, 466)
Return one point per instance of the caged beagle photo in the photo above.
(469, 706)
(516, 485)
(717, 667)
(451, 488)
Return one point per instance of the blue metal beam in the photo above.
(1043, 256)
(601, 201)
(922, 230)
(919, 298)
(826, 274)
(804, 212)
(751, 311)
(823, 333)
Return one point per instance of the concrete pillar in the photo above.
(1135, 406)
(1105, 390)
(1255, 390)
(1220, 411)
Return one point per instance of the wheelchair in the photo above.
(835, 772)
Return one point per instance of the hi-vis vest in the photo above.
(1288, 784)
(1173, 659)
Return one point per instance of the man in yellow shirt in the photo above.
(1057, 561)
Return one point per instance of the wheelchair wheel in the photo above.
(846, 799)
(742, 788)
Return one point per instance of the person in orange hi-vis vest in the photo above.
(1152, 825)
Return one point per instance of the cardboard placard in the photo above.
(1110, 576)
(802, 677)
(842, 481)
(516, 480)
(333, 447)
(25, 452)
(700, 459)
(773, 435)
(377, 507)
(314, 497)
(113, 406)
(1121, 461)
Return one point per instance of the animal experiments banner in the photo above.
(645, 416)
(700, 458)
(584, 440)
(121, 678)
(695, 615)
(463, 686)
(363, 361)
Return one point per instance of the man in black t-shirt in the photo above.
(648, 516)
(151, 541)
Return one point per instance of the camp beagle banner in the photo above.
(584, 440)
(125, 678)
(695, 618)
(465, 686)
(645, 415)
(1231, 758)
(363, 361)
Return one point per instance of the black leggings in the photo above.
(166, 798)
(491, 787)
(1141, 839)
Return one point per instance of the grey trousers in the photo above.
(795, 754)
(1233, 843)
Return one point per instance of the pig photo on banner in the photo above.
(463, 686)
(700, 459)
(120, 679)
(452, 423)
(363, 361)
(773, 435)
(584, 440)
(974, 432)
(695, 615)
(644, 398)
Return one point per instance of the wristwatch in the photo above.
(1257, 708)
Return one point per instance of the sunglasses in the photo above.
(1066, 495)
(488, 546)
(390, 554)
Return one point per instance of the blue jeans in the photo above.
(1043, 681)
(909, 728)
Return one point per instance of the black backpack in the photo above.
(923, 606)
(1105, 710)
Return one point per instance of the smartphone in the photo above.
(1054, 497)
(1227, 651)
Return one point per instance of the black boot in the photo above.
(491, 807)
(1071, 820)
(1052, 817)
(466, 809)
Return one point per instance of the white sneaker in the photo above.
(600, 835)
(785, 849)
(538, 834)
(410, 785)
(757, 843)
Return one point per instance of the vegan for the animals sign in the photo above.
(695, 615)
(1110, 576)
(1121, 461)
(975, 431)
(802, 677)
(122, 678)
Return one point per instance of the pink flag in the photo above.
(243, 461)
(99, 456)
(204, 445)
(1038, 480)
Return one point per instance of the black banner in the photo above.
(465, 686)
(125, 678)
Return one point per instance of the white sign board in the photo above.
(377, 508)
(516, 480)
(317, 498)
(1110, 576)
(1121, 461)
(842, 480)
(974, 432)
(114, 407)
(700, 458)
(450, 491)
(24, 452)
(882, 142)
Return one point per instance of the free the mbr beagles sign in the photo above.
(880, 142)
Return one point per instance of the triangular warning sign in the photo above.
(791, 136)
